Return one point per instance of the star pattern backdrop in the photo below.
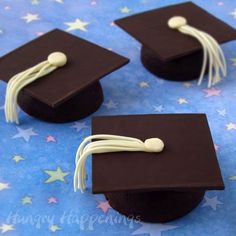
(37, 158)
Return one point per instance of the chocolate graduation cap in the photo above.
(156, 180)
(57, 76)
(180, 42)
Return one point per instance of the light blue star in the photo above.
(25, 134)
(153, 229)
(79, 126)
(222, 112)
(160, 81)
(111, 104)
(212, 202)
(158, 108)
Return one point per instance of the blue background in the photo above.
(130, 90)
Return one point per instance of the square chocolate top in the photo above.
(188, 161)
(87, 63)
(151, 29)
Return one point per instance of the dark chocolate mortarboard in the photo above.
(157, 187)
(168, 53)
(70, 92)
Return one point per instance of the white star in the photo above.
(34, 2)
(233, 13)
(54, 228)
(59, 1)
(234, 61)
(4, 228)
(158, 108)
(231, 126)
(18, 158)
(7, 8)
(77, 24)
(182, 101)
(187, 84)
(143, 84)
(109, 105)
(30, 17)
(25, 134)
(212, 202)
(153, 229)
(222, 112)
(4, 186)
(79, 126)
(125, 10)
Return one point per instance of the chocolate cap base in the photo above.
(154, 207)
(185, 68)
(78, 107)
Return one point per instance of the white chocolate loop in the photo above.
(22, 79)
(212, 52)
(109, 143)
(177, 22)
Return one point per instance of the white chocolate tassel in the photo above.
(212, 52)
(109, 143)
(20, 80)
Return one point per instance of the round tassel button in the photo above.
(57, 59)
(177, 22)
(154, 145)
